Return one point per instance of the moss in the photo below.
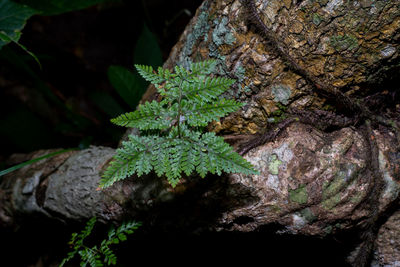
(279, 114)
(328, 230)
(329, 188)
(299, 195)
(357, 197)
(274, 164)
(332, 202)
(316, 18)
(343, 42)
(308, 215)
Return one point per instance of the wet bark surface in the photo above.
(320, 123)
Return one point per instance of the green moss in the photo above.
(299, 195)
(279, 114)
(343, 42)
(357, 197)
(316, 18)
(274, 164)
(332, 202)
(331, 191)
(330, 188)
(308, 215)
(328, 230)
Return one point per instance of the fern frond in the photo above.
(134, 157)
(222, 157)
(181, 72)
(190, 99)
(203, 67)
(151, 115)
(206, 90)
(149, 75)
(201, 114)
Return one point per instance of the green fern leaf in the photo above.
(133, 157)
(149, 75)
(203, 68)
(223, 157)
(201, 114)
(207, 89)
(151, 115)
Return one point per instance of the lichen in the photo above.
(274, 164)
(273, 182)
(388, 51)
(200, 30)
(299, 195)
(281, 93)
(222, 34)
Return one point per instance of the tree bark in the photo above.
(320, 123)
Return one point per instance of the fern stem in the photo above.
(179, 108)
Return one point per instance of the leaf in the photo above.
(128, 85)
(13, 18)
(18, 166)
(206, 90)
(201, 114)
(147, 50)
(134, 156)
(55, 7)
(106, 103)
(148, 74)
(151, 115)
(203, 67)
(222, 157)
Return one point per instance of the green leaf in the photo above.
(206, 90)
(151, 115)
(128, 85)
(134, 156)
(147, 50)
(106, 103)
(203, 67)
(149, 75)
(55, 7)
(18, 166)
(13, 18)
(222, 157)
(201, 114)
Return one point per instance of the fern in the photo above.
(171, 143)
(98, 256)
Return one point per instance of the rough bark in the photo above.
(326, 167)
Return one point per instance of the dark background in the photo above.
(68, 103)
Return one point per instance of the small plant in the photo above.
(171, 141)
(98, 256)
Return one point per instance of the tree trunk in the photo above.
(320, 123)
